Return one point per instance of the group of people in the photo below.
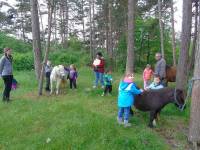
(102, 76)
(71, 71)
(127, 87)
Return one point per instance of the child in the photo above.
(127, 90)
(48, 69)
(156, 84)
(72, 76)
(147, 74)
(14, 84)
(107, 82)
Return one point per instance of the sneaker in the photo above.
(103, 94)
(120, 121)
(102, 87)
(94, 87)
(127, 124)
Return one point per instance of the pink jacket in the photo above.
(147, 74)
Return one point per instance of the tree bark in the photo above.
(194, 129)
(83, 22)
(50, 13)
(173, 34)
(66, 18)
(110, 40)
(36, 38)
(91, 31)
(182, 71)
(130, 47)
(192, 59)
(161, 27)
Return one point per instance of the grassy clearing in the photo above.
(82, 119)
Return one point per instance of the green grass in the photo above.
(82, 119)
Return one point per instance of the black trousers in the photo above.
(8, 85)
(47, 88)
(72, 83)
(108, 89)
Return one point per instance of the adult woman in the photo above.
(98, 66)
(6, 72)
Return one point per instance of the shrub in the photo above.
(23, 61)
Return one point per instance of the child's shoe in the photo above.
(127, 124)
(102, 87)
(94, 87)
(120, 121)
(103, 94)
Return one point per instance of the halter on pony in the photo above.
(180, 106)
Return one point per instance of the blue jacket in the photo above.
(126, 94)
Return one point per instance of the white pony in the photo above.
(58, 75)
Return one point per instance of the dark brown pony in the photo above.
(154, 101)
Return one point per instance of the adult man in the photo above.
(160, 68)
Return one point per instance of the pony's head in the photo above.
(179, 98)
(61, 71)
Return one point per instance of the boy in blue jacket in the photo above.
(127, 90)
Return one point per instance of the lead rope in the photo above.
(189, 91)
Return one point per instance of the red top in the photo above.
(147, 74)
(100, 66)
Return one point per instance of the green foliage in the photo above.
(23, 61)
(147, 43)
(17, 45)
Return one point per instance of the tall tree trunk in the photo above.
(131, 27)
(173, 34)
(192, 59)
(66, 18)
(194, 129)
(93, 28)
(110, 45)
(36, 38)
(61, 21)
(181, 78)
(161, 27)
(83, 22)
(91, 31)
(50, 13)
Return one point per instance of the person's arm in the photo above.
(143, 75)
(2, 62)
(136, 91)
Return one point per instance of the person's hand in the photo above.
(142, 90)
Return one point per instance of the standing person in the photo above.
(147, 75)
(48, 69)
(107, 82)
(127, 90)
(98, 65)
(160, 68)
(73, 75)
(6, 72)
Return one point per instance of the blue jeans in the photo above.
(124, 111)
(98, 77)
